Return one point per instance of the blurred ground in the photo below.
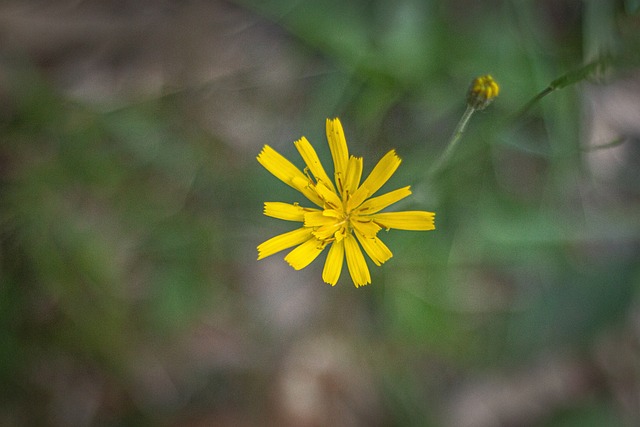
(131, 201)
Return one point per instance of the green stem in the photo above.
(453, 142)
(524, 110)
(574, 76)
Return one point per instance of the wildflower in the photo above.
(347, 218)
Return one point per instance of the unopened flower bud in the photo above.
(482, 91)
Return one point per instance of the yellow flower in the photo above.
(347, 219)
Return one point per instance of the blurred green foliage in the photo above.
(106, 240)
(122, 228)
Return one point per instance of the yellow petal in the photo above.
(286, 211)
(354, 174)
(308, 188)
(375, 248)
(304, 254)
(313, 162)
(380, 174)
(329, 196)
(278, 165)
(359, 196)
(324, 227)
(333, 264)
(365, 226)
(408, 220)
(283, 241)
(333, 213)
(339, 150)
(355, 262)
(376, 204)
(317, 219)
(287, 172)
(330, 231)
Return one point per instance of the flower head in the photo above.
(482, 91)
(347, 218)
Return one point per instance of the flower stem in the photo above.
(453, 142)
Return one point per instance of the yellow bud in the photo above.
(482, 91)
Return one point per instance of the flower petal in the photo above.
(354, 174)
(407, 220)
(329, 196)
(365, 226)
(330, 231)
(287, 172)
(355, 262)
(278, 165)
(283, 241)
(313, 162)
(375, 248)
(359, 196)
(339, 150)
(304, 254)
(317, 219)
(379, 175)
(376, 204)
(324, 226)
(334, 262)
(286, 211)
